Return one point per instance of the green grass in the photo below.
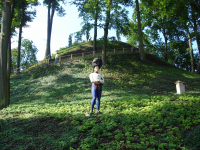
(87, 46)
(141, 109)
(79, 48)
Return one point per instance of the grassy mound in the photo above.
(87, 46)
(141, 109)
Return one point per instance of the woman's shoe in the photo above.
(98, 112)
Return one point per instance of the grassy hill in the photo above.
(141, 109)
(87, 46)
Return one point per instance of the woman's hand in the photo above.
(97, 81)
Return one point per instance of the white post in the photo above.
(82, 55)
(180, 87)
(71, 56)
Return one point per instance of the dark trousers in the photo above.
(96, 94)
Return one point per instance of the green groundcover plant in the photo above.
(141, 109)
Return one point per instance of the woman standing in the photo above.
(97, 81)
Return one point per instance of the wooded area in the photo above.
(177, 22)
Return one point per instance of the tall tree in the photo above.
(142, 54)
(115, 17)
(191, 50)
(176, 22)
(23, 15)
(87, 26)
(158, 18)
(28, 54)
(20, 35)
(78, 36)
(4, 42)
(28, 51)
(188, 17)
(8, 8)
(91, 10)
(195, 18)
(9, 63)
(182, 10)
(132, 32)
(119, 19)
(106, 26)
(53, 5)
(95, 16)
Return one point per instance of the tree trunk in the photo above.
(48, 31)
(165, 52)
(191, 51)
(141, 47)
(198, 69)
(95, 36)
(51, 23)
(12, 9)
(95, 30)
(118, 35)
(5, 36)
(106, 32)
(9, 60)
(87, 35)
(9, 69)
(19, 41)
(196, 35)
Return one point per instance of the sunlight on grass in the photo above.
(141, 109)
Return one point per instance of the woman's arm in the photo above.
(92, 79)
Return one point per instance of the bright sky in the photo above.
(62, 27)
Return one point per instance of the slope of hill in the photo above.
(141, 109)
(87, 46)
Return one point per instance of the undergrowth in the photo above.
(141, 109)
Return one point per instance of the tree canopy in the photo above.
(28, 54)
(168, 30)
